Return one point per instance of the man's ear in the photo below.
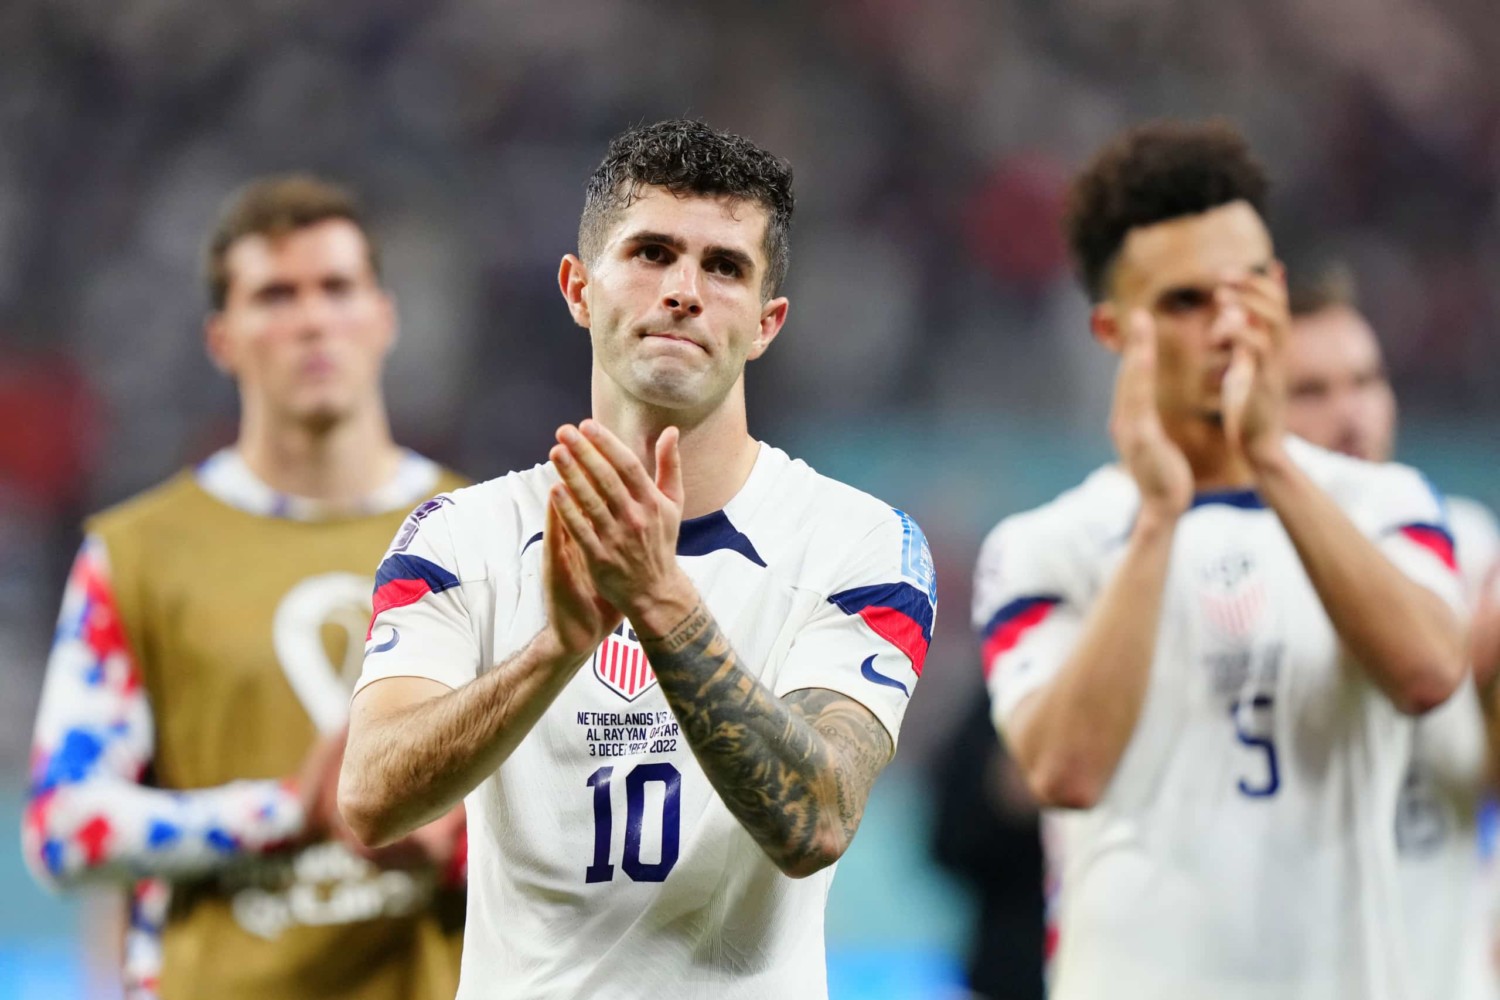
(216, 342)
(1104, 324)
(573, 282)
(772, 319)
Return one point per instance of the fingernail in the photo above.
(569, 434)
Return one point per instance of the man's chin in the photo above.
(321, 416)
(670, 388)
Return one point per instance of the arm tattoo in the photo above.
(796, 771)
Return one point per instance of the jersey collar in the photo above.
(225, 476)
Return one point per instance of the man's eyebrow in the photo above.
(646, 236)
(733, 255)
(1183, 288)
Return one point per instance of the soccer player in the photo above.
(1205, 655)
(1340, 398)
(195, 700)
(666, 667)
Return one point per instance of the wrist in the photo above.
(1155, 520)
(1268, 457)
(549, 648)
(661, 609)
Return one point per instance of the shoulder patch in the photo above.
(916, 557)
(414, 520)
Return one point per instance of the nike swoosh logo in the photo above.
(868, 671)
(388, 645)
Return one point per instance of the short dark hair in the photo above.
(1324, 285)
(273, 207)
(689, 157)
(1152, 173)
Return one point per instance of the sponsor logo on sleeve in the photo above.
(868, 671)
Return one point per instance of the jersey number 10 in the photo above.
(635, 814)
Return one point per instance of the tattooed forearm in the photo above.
(796, 771)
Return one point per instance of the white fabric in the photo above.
(1243, 849)
(227, 476)
(1437, 833)
(721, 922)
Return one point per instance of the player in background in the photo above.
(1205, 656)
(1339, 397)
(194, 707)
(666, 667)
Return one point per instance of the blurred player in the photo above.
(193, 712)
(666, 667)
(1208, 651)
(1340, 398)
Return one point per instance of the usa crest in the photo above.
(620, 664)
(1232, 596)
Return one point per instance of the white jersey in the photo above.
(1437, 823)
(1243, 849)
(602, 863)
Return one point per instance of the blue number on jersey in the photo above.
(1273, 773)
(635, 815)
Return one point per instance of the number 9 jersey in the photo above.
(601, 861)
(1244, 847)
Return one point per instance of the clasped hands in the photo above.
(1251, 315)
(611, 538)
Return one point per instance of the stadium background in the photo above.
(936, 355)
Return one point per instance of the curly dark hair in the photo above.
(273, 207)
(688, 157)
(1158, 171)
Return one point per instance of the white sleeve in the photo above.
(869, 637)
(1409, 521)
(421, 625)
(1477, 537)
(1029, 606)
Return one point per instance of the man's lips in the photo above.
(675, 338)
(318, 366)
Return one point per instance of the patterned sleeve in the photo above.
(869, 638)
(1028, 610)
(1409, 521)
(421, 625)
(88, 814)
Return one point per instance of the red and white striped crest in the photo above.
(1236, 614)
(620, 663)
(1233, 596)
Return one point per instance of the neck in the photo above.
(1215, 465)
(338, 463)
(716, 447)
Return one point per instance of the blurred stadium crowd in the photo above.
(933, 303)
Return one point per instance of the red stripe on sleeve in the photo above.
(1434, 540)
(900, 630)
(1005, 638)
(396, 594)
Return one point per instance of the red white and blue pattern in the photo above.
(1008, 626)
(620, 664)
(405, 579)
(897, 612)
(1435, 538)
(87, 812)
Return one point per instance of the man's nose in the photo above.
(682, 295)
(1229, 315)
(314, 315)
